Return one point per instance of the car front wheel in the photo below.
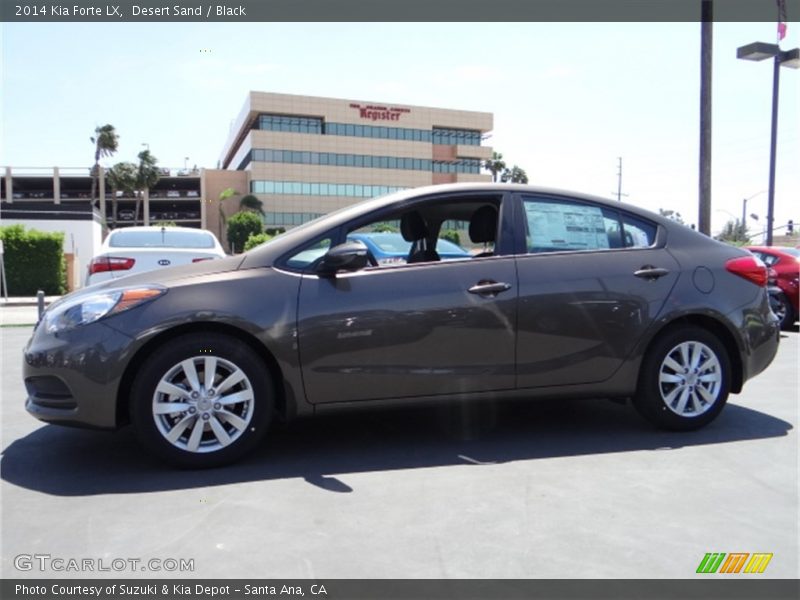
(201, 401)
(685, 380)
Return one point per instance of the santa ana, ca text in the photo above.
(173, 589)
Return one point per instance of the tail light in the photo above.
(750, 268)
(101, 264)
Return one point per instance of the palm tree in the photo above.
(147, 175)
(105, 142)
(121, 178)
(515, 175)
(495, 165)
(222, 222)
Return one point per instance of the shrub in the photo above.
(385, 228)
(241, 226)
(34, 260)
(256, 240)
(451, 235)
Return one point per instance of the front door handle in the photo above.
(651, 272)
(489, 288)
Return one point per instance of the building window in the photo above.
(466, 165)
(270, 122)
(468, 137)
(297, 188)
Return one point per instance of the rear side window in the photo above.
(637, 232)
(556, 225)
(560, 225)
(165, 238)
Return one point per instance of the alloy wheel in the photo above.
(203, 404)
(690, 379)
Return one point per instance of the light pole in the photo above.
(787, 58)
(744, 211)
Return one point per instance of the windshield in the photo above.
(165, 238)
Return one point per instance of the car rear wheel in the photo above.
(685, 379)
(201, 401)
(782, 308)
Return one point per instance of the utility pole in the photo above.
(619, 180)
(704, 200)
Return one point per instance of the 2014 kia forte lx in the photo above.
(558, 295)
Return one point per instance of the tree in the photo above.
(147, 175)
(495, 165)
(121, 178)
(222, 222)
(734, 233)
(105, 142)
(514, 175)
(241, 226)
(671, 214)
(250, 202)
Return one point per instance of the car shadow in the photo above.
(73, 462)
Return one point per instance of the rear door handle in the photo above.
(489, 288)
(651, 272)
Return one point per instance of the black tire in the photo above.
(783, 309)
(234, 419)
(683, 401)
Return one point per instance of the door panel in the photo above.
(411, 330)
(581, 314)
(592, 280)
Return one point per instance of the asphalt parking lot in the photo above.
(548, 490)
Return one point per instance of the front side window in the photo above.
(309, 254)
(437, 231)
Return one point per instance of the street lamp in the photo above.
(744, 208)
(788, 58)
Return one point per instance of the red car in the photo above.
(786, 264)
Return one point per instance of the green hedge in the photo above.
(256, 239)
(241, 226)
(34, 260)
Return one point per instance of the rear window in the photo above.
(165, 238)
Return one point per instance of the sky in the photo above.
(568, 99)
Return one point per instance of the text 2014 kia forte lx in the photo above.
(557, 295)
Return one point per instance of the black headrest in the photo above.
(412, 227)
(483, 225)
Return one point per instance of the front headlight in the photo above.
(83, 310)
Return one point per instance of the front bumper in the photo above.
(72, 378)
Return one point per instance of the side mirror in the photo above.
(350, 256)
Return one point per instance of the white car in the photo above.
(132, 250)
